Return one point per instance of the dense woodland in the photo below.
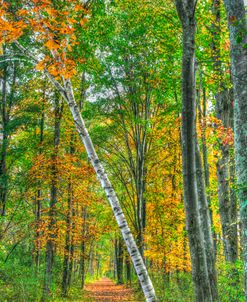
(123, 148)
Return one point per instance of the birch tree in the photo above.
(59, 69)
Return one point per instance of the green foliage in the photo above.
(231, 282)
(19, 281)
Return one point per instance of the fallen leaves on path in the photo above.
(105, 290)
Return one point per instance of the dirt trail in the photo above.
(105, 290)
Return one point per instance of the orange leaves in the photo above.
(53, 27)
(40, 66)
(51, 44)
(10, 31)
(83, 21)
(65, 68)
(225, 135)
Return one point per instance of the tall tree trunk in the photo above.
(206, 164)
(83, 247)
(3, 166)
(206, 225)
(67, 249)
(119, 254)
(6, 106)
(227, 199)
(128, 269)
(238, 39)
(224, 112)
(50, 246)
(39, 191)
(203, 291)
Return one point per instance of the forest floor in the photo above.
(105, 290)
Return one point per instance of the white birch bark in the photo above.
(68, 95)
(135, 255)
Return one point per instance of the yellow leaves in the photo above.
(51, 44)
(83, 21)
(22, 12)
(40, 66)
(50, 11)
(54, 29)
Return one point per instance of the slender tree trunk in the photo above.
(225, 168)
(67, 249)
(202, 119)
(83, 247)
(39, 191)
(91, 260)
(3, 166)
(119, 252)
(72, 248)
(224, 112)
(6, 106)
(128, 269)
(206, 225)
(50, 246)
(203, 292)
(238, 39)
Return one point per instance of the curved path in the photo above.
(105, 290)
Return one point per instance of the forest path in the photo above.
(105, 290)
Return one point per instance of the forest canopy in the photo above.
(123, 150)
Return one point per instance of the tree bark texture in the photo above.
(206, 224)
(238, 39)
(202, 284)
(225, 168)
(119, 254)
(50, 246)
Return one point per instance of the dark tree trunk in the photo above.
(6, 106)
(39, 191)
(67, 249)
(119, 254)
(83, 247)
(3, 166)
(206, 167)
(224, 112)
(128, 269)
(225, 168)
(50, 246)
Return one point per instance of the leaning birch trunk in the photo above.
(68, 95)
(147, 286)
(238, 39)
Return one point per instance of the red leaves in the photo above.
(225, 135)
